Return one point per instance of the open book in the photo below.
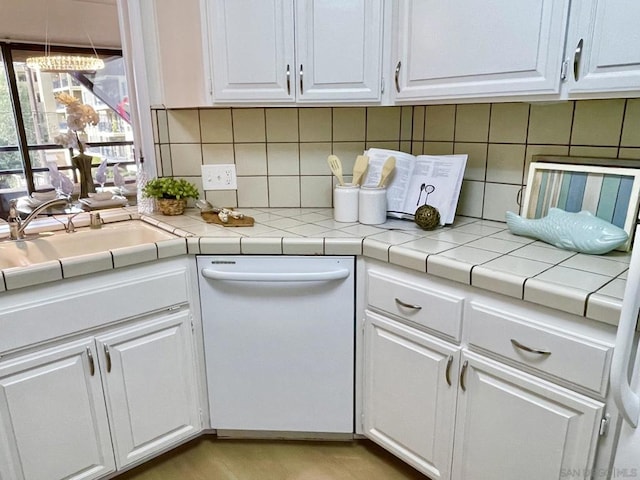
(419, 180)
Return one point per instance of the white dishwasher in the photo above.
(279, 342)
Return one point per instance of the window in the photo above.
(27, 138)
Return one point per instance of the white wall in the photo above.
(69, 22)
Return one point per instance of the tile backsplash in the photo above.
(281, 153)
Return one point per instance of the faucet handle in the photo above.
(14, 216)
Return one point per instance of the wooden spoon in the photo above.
(336, 167)
(362, 162)
(388, 168)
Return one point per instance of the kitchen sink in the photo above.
(52, 246)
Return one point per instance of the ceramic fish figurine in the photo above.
(580, 232)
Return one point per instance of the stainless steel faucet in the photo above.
(17, 225)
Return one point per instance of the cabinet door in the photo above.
(148, 374)
(512, 425)
(466, 48)
(338, 50)
(603, 46)
(53, 421)
(410, 394)
(252, 52)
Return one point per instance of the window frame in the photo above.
(23, 147)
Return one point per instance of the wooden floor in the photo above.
(208, 458)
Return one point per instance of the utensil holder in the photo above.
(345, 203)
(372, 205)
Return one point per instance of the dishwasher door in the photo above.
(279, 342)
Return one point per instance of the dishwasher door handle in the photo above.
(324, 276)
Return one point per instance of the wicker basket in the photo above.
(171, 206)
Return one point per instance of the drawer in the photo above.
(575, 359)
(434, 308)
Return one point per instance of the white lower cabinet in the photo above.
(522, 396)
(65, 410)
(150, 386)
(53, 420)
(410, 394)
(512, 425)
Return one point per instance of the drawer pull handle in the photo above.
(538, 351)
(577, 56)
(462, 372)
(397, 76)
(301, 80)
(92, 365)
(107, 354)
(288, 80)
(408, 305)
(447, 373)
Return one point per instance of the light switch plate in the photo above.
(219, 177)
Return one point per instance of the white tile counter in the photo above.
(475, 252)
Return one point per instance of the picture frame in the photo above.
(609, 193)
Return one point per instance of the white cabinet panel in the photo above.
(279, 51)
(608, 33)
(150, 386)
(512, 425)
(472, 49)
(410, 394)
(252, 44)
(52, 416)
(338, 49)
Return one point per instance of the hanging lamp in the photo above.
(64, 63)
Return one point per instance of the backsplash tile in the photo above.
(281, 153)
(472, 122)
(509, 123)
(550, 123)
(440, 123)
(248, 125)
(598, 122)
(216, 126)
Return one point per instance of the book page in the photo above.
(436, 181)
(398, 183)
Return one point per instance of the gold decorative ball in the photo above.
(427, 217)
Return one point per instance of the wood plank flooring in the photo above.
(208, 458)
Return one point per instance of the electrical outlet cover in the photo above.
(219, 177)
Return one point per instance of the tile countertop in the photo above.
(471, 251)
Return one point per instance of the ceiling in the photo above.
(66, 22)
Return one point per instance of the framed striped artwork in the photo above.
(610, 193)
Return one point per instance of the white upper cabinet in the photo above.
(603, 46)
(281, 51)
(470, 49)
(339, 50)
(252, 52)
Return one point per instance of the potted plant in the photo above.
(171, 194)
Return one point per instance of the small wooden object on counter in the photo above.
(212, 217)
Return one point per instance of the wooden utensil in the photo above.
(336, 167)
(362, 162)
(388, 168)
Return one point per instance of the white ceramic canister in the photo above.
(372, 205)
(345, 203)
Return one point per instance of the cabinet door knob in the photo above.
(92, 365)
(447, 373)
(397, 76)
(576, 59)
(288, 80)
(407, 305)
(462, 372)
(538, 351)
(107, 354)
